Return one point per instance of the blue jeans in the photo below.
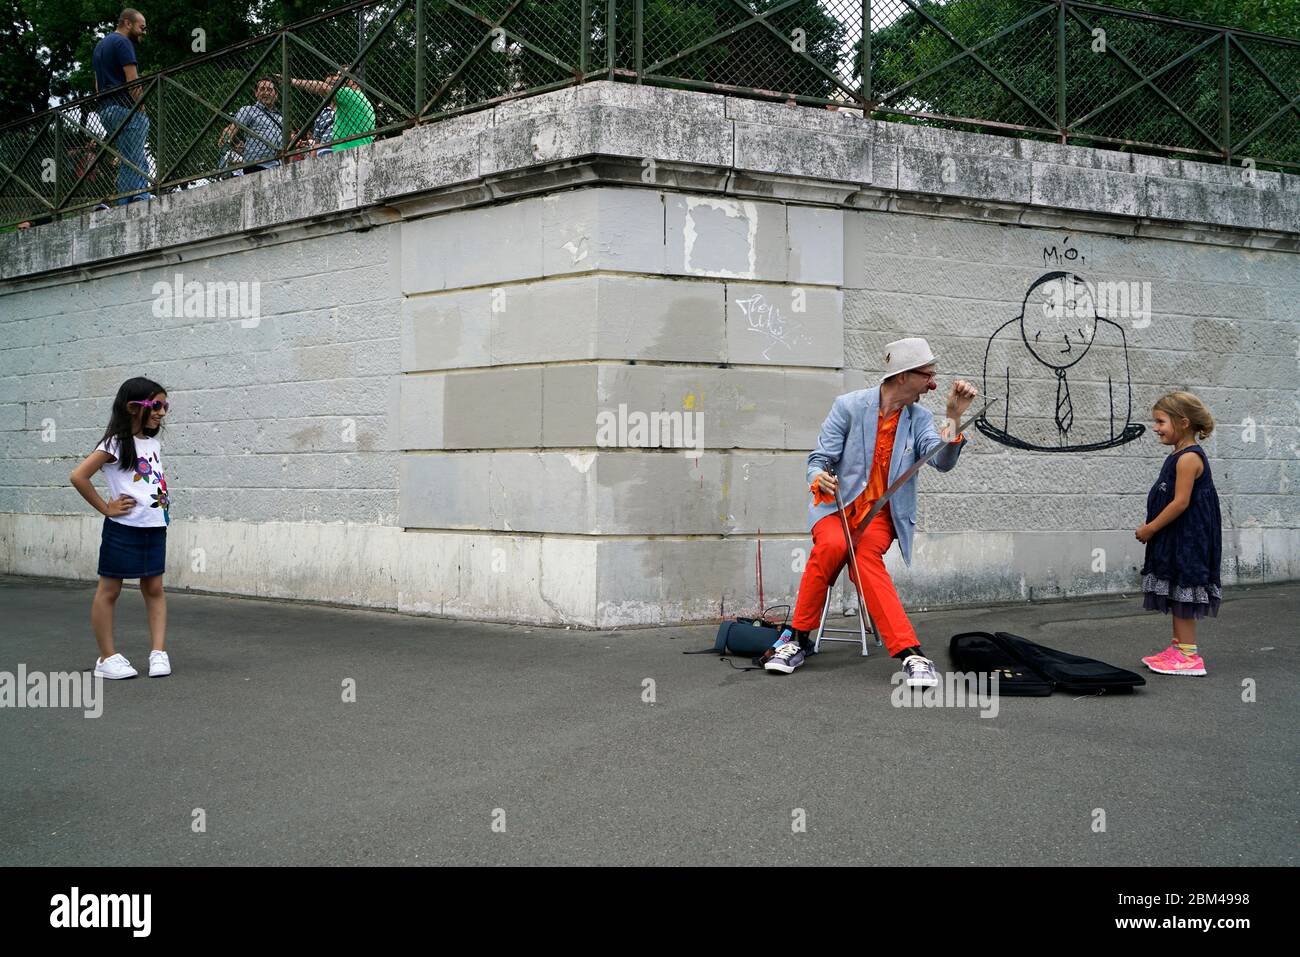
(130, 143)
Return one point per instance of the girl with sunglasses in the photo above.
(133, 541)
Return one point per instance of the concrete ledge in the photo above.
(688, 136)
(839, 157)
(1067, 187)
(427, 158)
(765, 149)
(1005, 179)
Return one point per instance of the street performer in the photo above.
(870, 438)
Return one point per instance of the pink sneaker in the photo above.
(1171, 661)
(1158, 658)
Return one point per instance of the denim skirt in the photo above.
(129, 551)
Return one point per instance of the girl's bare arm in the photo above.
(80, 479)
(1189, 469)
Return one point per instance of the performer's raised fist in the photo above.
(960, 398)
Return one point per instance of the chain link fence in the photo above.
(1069, 70)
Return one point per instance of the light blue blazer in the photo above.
(848, 442)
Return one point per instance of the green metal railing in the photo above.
(1069, 70)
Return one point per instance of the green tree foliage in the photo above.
(754, 57)
(48, 43)
(1276, 17)
(20, 87)
(1098, 100)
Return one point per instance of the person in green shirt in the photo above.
(353, 113)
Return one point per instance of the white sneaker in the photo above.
(920, 672)
(114, 666)
(159, 664)
(786, 657)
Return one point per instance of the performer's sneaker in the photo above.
(786, 657)
(1171, 661)
(920, 672)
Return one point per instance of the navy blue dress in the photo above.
(1180, 575)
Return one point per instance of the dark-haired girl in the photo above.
(134, 538)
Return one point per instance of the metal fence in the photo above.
(1068, 70)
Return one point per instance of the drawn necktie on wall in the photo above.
(1059, 329)
(1064, 410)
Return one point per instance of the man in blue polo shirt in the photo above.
(115, 66)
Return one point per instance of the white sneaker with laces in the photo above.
(159, 664)
(787, 656)
(920, 672)
(114, 666)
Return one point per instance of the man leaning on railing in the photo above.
(115, 66)
(263, 129)
(353, 112)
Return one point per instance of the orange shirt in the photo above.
(878, 480)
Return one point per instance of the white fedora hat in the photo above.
(904, 354)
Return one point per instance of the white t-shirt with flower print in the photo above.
(146, 483)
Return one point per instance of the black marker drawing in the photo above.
(1086, 401)
(1053, 256)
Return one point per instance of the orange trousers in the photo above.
(830, 553)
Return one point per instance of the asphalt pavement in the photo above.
(474, 743)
